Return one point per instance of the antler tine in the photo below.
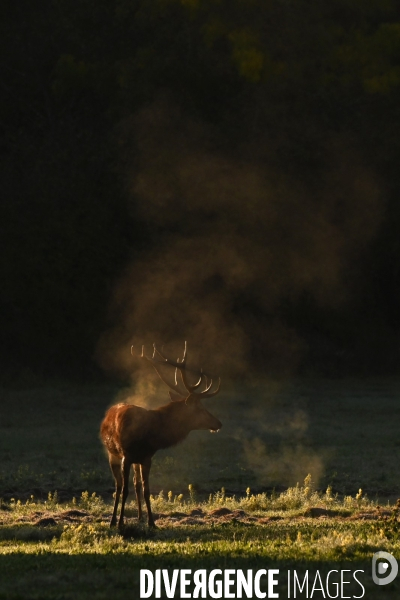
(183, 361)
(208, 387)
(165, 359)
(157, 351)
(155, 364)
(198, 383)
(207, 394)
(180, 365)
(142, 355)
(190, 388)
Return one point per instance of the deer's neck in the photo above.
(173, 426)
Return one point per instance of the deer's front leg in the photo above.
(146, 491)
(138, 489)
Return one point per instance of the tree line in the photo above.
(306, 91)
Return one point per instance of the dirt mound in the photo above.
(191, 521)
(196, 512)
(73, 515)
(371, 515)
(316, 512)
(217, 516)
(45, 522)
(219, 512)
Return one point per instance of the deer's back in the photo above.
(128, 430)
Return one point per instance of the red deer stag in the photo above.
(132, 434)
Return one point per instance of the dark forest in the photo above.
(225, 172)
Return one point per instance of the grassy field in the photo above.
(345, 434)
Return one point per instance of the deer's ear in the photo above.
(175, 397)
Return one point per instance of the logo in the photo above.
(384, 568)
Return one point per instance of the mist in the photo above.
(236, 241)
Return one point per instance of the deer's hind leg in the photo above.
(125, 468)
(115, 465)
(138, 489)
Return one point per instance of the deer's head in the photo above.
(188, 395)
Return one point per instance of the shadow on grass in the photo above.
(30, 533)
(51, 576)
(138, 531)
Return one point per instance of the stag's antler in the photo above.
(181, 366)
(155, 364)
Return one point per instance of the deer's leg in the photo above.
(146, 491)
(138, 489)
(125, 468)
(115, 465)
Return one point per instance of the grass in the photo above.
(219, 508)
(344, 433)
(68, 550)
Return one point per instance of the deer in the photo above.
(132, 434)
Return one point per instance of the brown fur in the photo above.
(132, 435)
